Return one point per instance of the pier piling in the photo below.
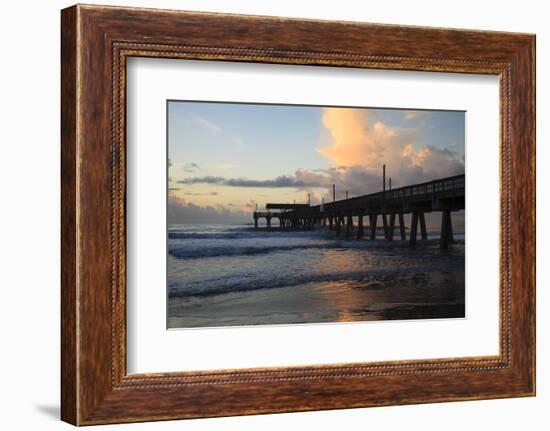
(423, 231)
(446, 229)
(372, 221)
(391, 227)
(402, 226)
(414, 228)
(385, 225)
(349, 226)
(360, 225)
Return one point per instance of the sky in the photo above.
(226, 158)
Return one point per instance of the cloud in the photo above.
(211, 126)
(352, 140)
(191, 167)
(250, 206)
(434, 162)
(356, 179)
(427, 164)
(181, 211)
(365, 145)
(296, 181)
(202, 180)
(200, 194)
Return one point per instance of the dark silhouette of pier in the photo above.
(443, 195)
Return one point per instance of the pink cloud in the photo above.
(358, 143)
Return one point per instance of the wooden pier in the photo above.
(444, 195)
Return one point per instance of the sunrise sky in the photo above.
(225, 158)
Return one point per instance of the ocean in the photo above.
(232, 275)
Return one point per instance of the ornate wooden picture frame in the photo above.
(96, 41)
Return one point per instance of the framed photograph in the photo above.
(266, 215)
(292, 249)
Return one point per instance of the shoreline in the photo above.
(221, 276)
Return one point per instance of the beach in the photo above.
(232, 275)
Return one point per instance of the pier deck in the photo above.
(443, 195)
